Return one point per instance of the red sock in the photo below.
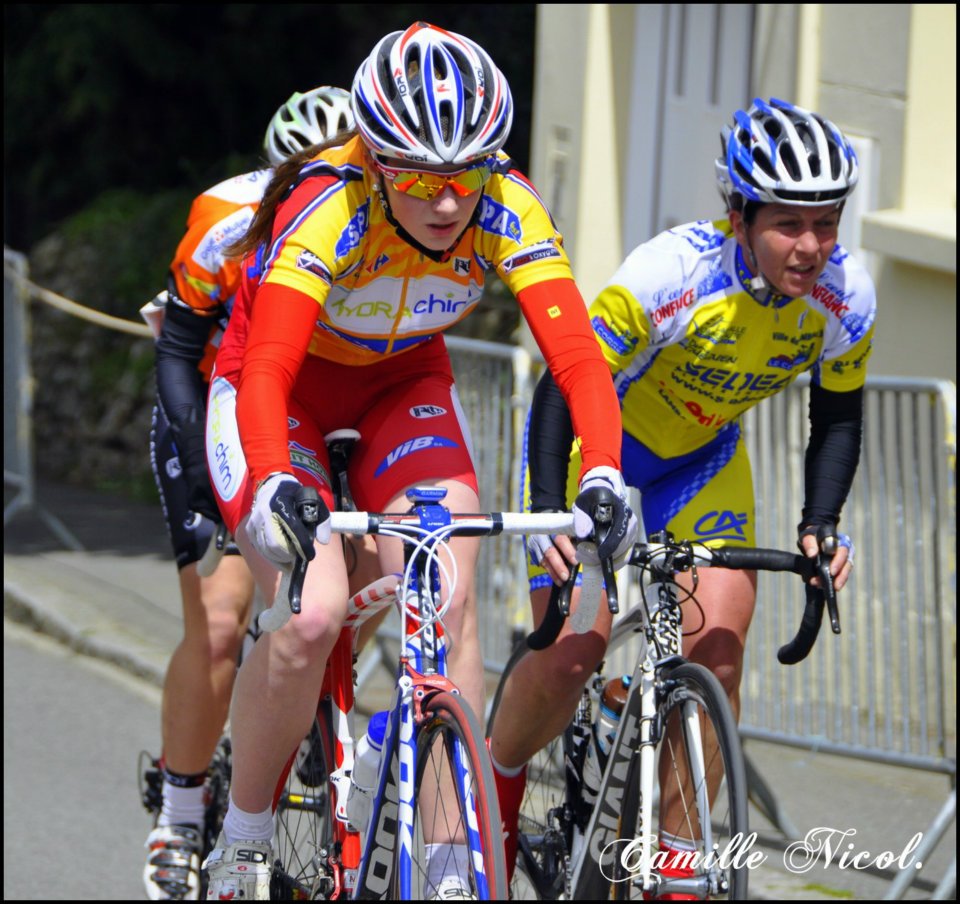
(675, 866)
(510, 790)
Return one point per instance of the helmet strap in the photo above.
(438, 256)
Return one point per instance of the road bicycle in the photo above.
(435, 781)
(677, 719)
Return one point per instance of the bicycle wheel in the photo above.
(706, 804)
(544, 826)
(304, 828)
(455, 800)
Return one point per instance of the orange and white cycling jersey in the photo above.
(377, 294)
(206, 280)
(691, 347)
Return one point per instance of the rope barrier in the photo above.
(78, 310)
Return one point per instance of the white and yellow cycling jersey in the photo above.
(691, 349)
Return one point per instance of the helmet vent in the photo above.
(789, 160)
(761, 160)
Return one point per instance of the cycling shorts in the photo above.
(705, 495)
(406, 409)
(189, 532)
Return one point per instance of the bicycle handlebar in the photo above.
(684, 556)
(774, 560)
(211, 557)
(288, 598)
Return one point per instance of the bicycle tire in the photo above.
(691, 685)
(449, 721)
(543, 844)
(304, 826)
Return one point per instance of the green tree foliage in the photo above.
(155, 97)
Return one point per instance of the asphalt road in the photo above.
(73, 726)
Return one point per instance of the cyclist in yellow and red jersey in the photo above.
(380, 244)
(698, 325)
(199, 680)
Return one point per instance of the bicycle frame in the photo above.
(389, 838)
(421, 674)
(637, 735)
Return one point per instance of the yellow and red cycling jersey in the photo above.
(378, 295)
(375, 295)
(691, 348)
(205, 279)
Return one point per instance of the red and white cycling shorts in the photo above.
(406, 409)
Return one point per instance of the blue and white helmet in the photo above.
(305, 120)
(433, 97)
(778, 153)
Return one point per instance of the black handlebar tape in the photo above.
(798, 649)
(558, 607)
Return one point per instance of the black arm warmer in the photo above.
(833, 453)
(550, 440)
(179, 350)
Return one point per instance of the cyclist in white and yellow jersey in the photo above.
(698, 325)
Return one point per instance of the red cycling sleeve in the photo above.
(557, 316)
(281, 325)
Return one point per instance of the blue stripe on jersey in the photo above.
(668, 484)
(297, 221)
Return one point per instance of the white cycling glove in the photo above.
(275, 528)
(539, 544)
(601, 510)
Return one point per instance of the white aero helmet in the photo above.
(776, 152)
(433, 97)
(305, 120)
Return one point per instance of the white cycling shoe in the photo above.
(172, 871)
(453, 888)
(239, 871)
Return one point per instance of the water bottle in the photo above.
(366, 766)
(612, 701)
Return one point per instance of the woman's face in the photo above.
(436, 222)
(791, 244)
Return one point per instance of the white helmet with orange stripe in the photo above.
(433, 97)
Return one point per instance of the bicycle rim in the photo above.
(452, 756)
(706, 805)
(303, 821)
(542, 850)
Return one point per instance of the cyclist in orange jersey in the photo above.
(365, 254)
(199, 680)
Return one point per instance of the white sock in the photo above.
(239, 825)
(506, 771)
(182, 806)
(444, 860)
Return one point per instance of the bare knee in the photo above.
(564, 668)
(721, 651)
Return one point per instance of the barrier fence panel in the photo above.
(17, 453)
(18, 471)
(885, 689)
(494, 390)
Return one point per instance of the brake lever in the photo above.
(308, 510)
(829, 592)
